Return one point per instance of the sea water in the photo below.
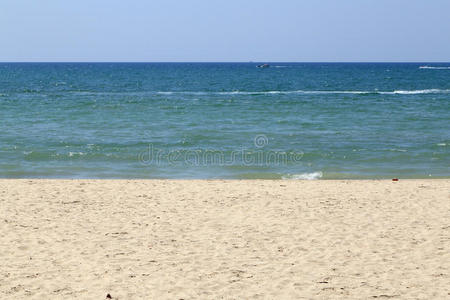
(224, 120)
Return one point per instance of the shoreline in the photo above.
(227, 179)
(216, 238)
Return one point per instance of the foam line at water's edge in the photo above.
(304, 176)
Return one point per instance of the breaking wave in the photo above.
(396, 92)
(434, 68)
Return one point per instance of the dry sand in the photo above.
(157, 239)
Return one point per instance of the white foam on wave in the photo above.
(415, 92)
(186, 93)
(305, 176)
(396, 92)
(71, 154)
(294, 92)
(434, 68)
(397, 150)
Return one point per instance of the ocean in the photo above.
(225, 120)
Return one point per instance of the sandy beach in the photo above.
(168, 239)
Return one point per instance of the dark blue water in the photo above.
(225, 120)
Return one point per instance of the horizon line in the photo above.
(174, 62)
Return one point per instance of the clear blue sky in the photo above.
(226, 30)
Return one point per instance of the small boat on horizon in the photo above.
(263, 66)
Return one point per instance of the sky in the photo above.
(225, 31)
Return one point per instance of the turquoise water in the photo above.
(224, 120)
